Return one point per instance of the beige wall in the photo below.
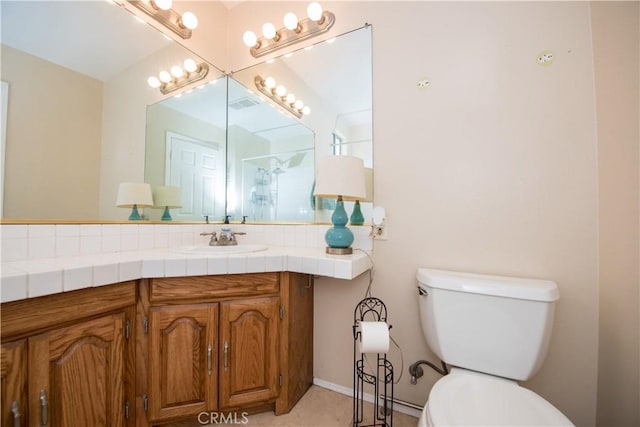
(56, 161)
(616, 59)
(492, 169)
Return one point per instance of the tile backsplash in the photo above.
(39, 241)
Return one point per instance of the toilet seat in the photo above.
(468, 398)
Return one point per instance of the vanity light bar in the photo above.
(279, 95)
(294, 31)
(179, 24)
(178, 77)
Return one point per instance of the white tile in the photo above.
(14, 249)
(153, 268)
(342, 268)
(161, 239)
(111, 243)
(274, 263)
(309, 265)
(44, 283)
(326, 267)
(111, 229)
(90, 245)
(128, 229)
(256, 264)
(294, 264)
(289, 236)
(217, 265)
(13, 287)
(175, 267)
(313, 240)
(129, 270)
(196, 266)
(300, 233)
(129, 242)
(14, 231)
(39, 231)
(90, 230)
(237, 264)
(77, 278)
(67, 245)
(67, 230)
(105, 274)
(42, 247)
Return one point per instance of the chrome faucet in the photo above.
(226, 237)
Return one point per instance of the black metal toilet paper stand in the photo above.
(371, 309)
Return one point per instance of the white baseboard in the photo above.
(398, 406)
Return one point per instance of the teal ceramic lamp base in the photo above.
(166, 216)
(135, 216)
(356, 216)
(339, 238)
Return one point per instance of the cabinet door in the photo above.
(13, 374)
(249, 345)
(76, 374)
(183, 362)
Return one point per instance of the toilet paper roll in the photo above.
(374, 337)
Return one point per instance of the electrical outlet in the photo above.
(379, 232)
(423, 83)
(545, 58)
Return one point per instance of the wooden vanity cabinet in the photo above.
(221, 344)
(66, 358)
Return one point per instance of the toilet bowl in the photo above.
(467, 398)
(493, 331)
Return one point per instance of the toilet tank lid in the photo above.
(502, 286)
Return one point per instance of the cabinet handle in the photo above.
(226, 356)
(209, 358)
(15, 409)
(43, 408)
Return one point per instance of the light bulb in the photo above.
(306, 110)
(314, 11)
(290, 21)
(189, 20)
(268, 30)
(298, 104)
(164, 76)
(162, 4)
(281, 90)
(177, 71)
(291, 98)
(249, 38)
(190, 65)
(270, 82)
(153, 82)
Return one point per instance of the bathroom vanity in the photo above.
(158, 350)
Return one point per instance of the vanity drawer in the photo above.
(168, 289)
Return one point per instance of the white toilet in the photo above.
(492, 331)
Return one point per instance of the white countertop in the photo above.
(33, 278)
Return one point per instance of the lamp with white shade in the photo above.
(167, 197)
(342, 178)
(134, 195)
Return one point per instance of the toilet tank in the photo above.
(492, 324)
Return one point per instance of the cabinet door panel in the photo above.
(76, 374)
(249, 346)
(13, 374)
(183, 360)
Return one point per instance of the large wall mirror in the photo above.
(76, 73)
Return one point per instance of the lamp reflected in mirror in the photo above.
(134, 195)
(166, 197)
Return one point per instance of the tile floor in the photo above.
(321, 407)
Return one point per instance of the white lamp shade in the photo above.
(341, 176)
(134, 193)
(167, 196)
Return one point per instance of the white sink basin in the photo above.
(219, 250)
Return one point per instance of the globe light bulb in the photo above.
(162, 4)
(298, 105)
(177, 71)
(314, 11)
(268, 30)
(306, 110)
(189, 20)
(291, 98)
(249, 38)
(290, 21)
(270, 82)
(281, 90)
(164, 76)
(153, 82)
(190, 65)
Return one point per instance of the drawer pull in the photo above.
(226, 356)
(15, 409)
(44, 416)
(209, 358)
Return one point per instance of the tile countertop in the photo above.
(28, 279)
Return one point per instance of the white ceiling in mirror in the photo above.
(84, 39)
